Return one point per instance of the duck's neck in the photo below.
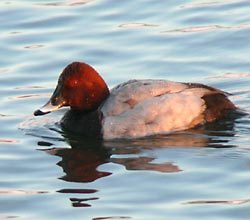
(86, 123)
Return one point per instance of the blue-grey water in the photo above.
(47, 174)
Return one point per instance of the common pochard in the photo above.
(133, 109)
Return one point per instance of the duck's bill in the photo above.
(47, 108)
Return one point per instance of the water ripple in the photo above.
(65, 3)
(208, 28)
(199, 4)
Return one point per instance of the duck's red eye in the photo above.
(72, 83)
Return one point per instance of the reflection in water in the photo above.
(6, 141)
(112, 218)
(15, 32)
(3, 70)
(79, 202)
(20, 192)
(144, 163)
(223, 202)
(207, 3)
(137, 25)
(30, 87)
(66, 3)
(27, 96)
(195, 29)
(239, 75)
(8, 216)
(34, 46)
(80, 162)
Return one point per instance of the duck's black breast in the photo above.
(87, 124)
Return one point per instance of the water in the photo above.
(47, 174)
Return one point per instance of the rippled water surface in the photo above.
(48, 174)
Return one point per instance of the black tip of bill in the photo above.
(39, 112)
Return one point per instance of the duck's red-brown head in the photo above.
(80, 87)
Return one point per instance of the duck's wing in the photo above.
(145, 107)
(208, 88)
(127, 95)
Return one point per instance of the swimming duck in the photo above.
(133, 109)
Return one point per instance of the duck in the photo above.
(133, 109)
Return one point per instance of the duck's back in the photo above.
(141, 108)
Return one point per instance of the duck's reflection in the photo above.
(81, 161)
(80, 202)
